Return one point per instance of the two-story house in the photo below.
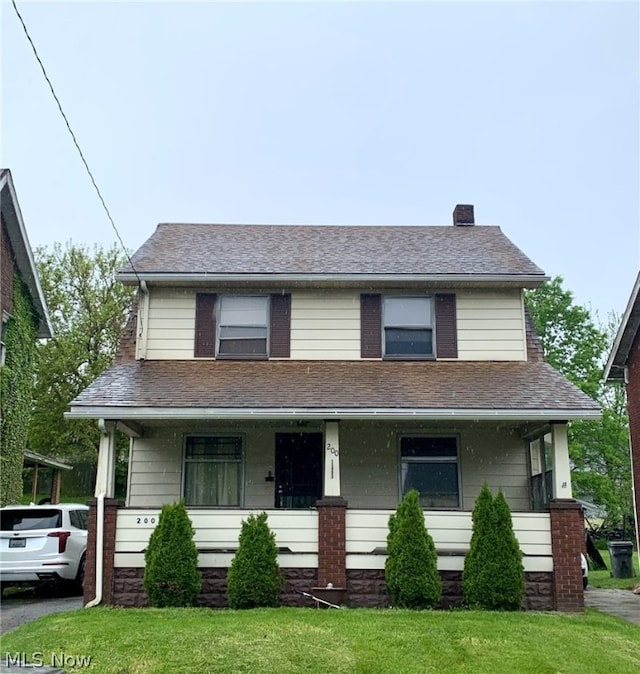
(318, 373)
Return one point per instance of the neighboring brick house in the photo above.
(318, 373)
(624, 366)
(17, 266)
(16, 257)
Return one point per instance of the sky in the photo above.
(334, 113)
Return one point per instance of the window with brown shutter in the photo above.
(205, 342)
(408, 326)
(245, 325)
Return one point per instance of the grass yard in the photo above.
(603, 578)
(176, 641)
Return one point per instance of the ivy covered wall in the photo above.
(16, 392)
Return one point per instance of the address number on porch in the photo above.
(145, 520)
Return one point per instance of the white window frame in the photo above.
(6, 317)
(220, 326)
(241, 461)
(402, 460)
(428, 325)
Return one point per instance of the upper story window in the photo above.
(243, 326)
(408, 326)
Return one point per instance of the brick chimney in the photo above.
(463, 215)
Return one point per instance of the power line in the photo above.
(73, 136)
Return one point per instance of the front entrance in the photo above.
(298, 469)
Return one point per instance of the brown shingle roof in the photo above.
(330, 249)
(335, 384)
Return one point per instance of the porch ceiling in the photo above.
(323, 389)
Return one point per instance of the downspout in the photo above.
(143, 317)
(99, 561)
(99, 551)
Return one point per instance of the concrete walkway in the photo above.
(619, 603)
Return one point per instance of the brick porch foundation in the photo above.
(331, 541)
(365, 588)
(567, 542)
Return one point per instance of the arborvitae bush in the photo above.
(254, 578)
(493, 576)
(171, 576)
(511, 586)
(411, 569)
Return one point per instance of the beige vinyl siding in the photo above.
(171, 321)
(366, 538)
(325, 325)
(491, 325)
(217, 531)
(155, 470)
(369, 463)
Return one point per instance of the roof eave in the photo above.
(168, 278)
(382, 414)
(616, 363)
(24, 257)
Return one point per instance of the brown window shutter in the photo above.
(370, 326)
(205, 345)
(280, 337)
(446, 327)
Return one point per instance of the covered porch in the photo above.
(337, 534)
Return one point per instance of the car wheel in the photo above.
(78, 583)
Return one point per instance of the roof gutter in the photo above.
(521, 280)
(381, 414)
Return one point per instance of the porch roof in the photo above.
(322, 389)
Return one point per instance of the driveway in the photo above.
(619, 603)
(20, 609)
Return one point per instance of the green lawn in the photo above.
(176, 641)
(603, 578)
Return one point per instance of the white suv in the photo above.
(43, 543)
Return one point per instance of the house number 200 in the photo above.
(145, 520)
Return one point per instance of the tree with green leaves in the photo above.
(254, 579)
(411, 568)
(88, 309)
(575, 346)
(171, 576)
(571, 341)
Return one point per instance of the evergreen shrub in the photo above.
(254, 579)
(411, 569)
(493, 576)
(171, 576)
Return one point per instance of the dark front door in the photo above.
(298, 469)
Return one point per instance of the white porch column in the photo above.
(561, 465)
(106, 473)
(331, 486)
